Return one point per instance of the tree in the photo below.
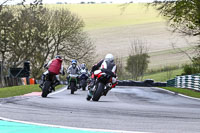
(137, 62)
(6, 24)
(120, 67)
(195, 66)
(184, 17)
(2, 4)
(68, 36)
(39, 34)
(31, 38)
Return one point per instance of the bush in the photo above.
(137, 65)
(137, 62)
(187, 70)
(192, 68)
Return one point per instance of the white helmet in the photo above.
(109, 57)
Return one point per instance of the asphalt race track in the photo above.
(124, 108)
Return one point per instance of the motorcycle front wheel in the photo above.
(98, 93)
(83, 85)
(72, 87)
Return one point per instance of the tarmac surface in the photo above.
(142, 109)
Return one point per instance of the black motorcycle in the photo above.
(83, 79)
(49, 84)
(103, 84)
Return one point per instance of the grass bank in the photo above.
(20, 90)
(163, 76)
(186, 92)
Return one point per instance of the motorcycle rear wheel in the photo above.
(84, 87)
(98, 93)
(45, 90)
(83, 84)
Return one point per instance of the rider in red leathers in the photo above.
(54, 67)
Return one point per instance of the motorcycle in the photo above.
(83, 79)
(73, 80)
(103, 84)
(49, 84)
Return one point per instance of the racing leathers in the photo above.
(73, 70)
(54, 67)
(105, 66)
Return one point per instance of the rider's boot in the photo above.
(89, 95)
(55, 84)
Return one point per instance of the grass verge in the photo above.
(187, 92)
(21, 90)
(163, 76)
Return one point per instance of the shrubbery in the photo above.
(192, 68)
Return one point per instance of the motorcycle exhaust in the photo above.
(109, 85)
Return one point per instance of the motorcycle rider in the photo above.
(83, 68)
(73, 69)
(54, 67)
(106, 65)
(84, 74)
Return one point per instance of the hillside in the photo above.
(113, 30)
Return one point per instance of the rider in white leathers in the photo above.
(105, 65)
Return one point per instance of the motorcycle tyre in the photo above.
(98, 92)
(84, 87)
(45, 90)
(72, 87)
(83, 84)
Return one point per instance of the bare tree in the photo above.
(169, 74)
(2, 4)
(6, 24)
(39, 34)
(183, 15)
(137, 62)
(120, 67)
(69, 38)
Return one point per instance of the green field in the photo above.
(99, 16)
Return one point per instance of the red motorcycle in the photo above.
(105, 81)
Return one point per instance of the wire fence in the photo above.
(8, 81)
